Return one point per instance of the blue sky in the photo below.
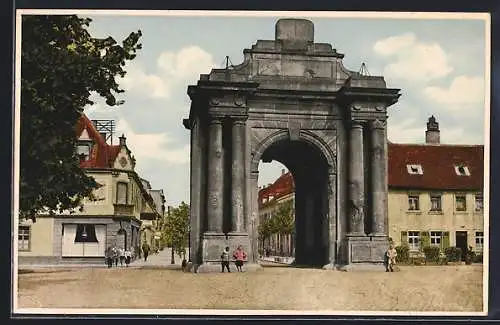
(439, 64)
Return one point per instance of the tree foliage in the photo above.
(176, 231)
(281, 222)
(61, 64)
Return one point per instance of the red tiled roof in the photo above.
(438, 163)
(102, 154)
(284, 185)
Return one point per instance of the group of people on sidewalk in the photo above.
(115, 255)
(239, 257)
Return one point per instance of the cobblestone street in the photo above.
(430, 288)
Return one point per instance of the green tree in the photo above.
(176, 231)
(61, 64)
(284, 218)
(264, 230)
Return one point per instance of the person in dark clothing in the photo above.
(386, 261)
(109, 257)
(224, 257)
(145, 251)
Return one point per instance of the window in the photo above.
(413, 203)
(415, 169)
(460, 203)
(83, 151)
(121, 193)
(414, 240)
(478, 202)
(436, 238)
(479, 240)
(461, 170)
(85, 233)
(435, 202)
(23, 238)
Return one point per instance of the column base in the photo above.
(366, 249)
(214, 243)
(356, 234)
(330, 267)
(370, 267)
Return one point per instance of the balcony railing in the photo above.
(123, 209)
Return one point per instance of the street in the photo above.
(424, 288)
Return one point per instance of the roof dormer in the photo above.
(462, 170)
(414, 169)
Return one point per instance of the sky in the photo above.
(439, 65)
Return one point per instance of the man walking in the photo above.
(145, 251)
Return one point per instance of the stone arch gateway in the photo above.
(293, 101)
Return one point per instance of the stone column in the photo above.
(332, 219)
(254, 217)
(196, 172)
(356, 181)
(378, 178)
(215, 184)
(238, 176)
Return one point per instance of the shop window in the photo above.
(85, 233)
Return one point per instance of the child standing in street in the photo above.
(240, 256)
(225, 260)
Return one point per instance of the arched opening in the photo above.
(276, 233)
(309, 169)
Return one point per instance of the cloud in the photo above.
(187, 64)
(158, 146)
(413, 59)
(413, 131)
(151, 84)
(173, 68)
(462, 91)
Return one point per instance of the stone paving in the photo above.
(417, 288)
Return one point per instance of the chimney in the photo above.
(123, 140)
(432, 133)
(283, 171)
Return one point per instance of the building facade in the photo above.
(113, 218)
(271, 197)
(435, 195)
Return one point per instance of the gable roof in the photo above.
(102, 154)
(438, 164)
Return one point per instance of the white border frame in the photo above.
(316, 14)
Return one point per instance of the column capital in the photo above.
(215, 119)
(239, 119)
(377, 124)
(356, 124)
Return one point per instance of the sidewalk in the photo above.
(278, 259)
(162, 260)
